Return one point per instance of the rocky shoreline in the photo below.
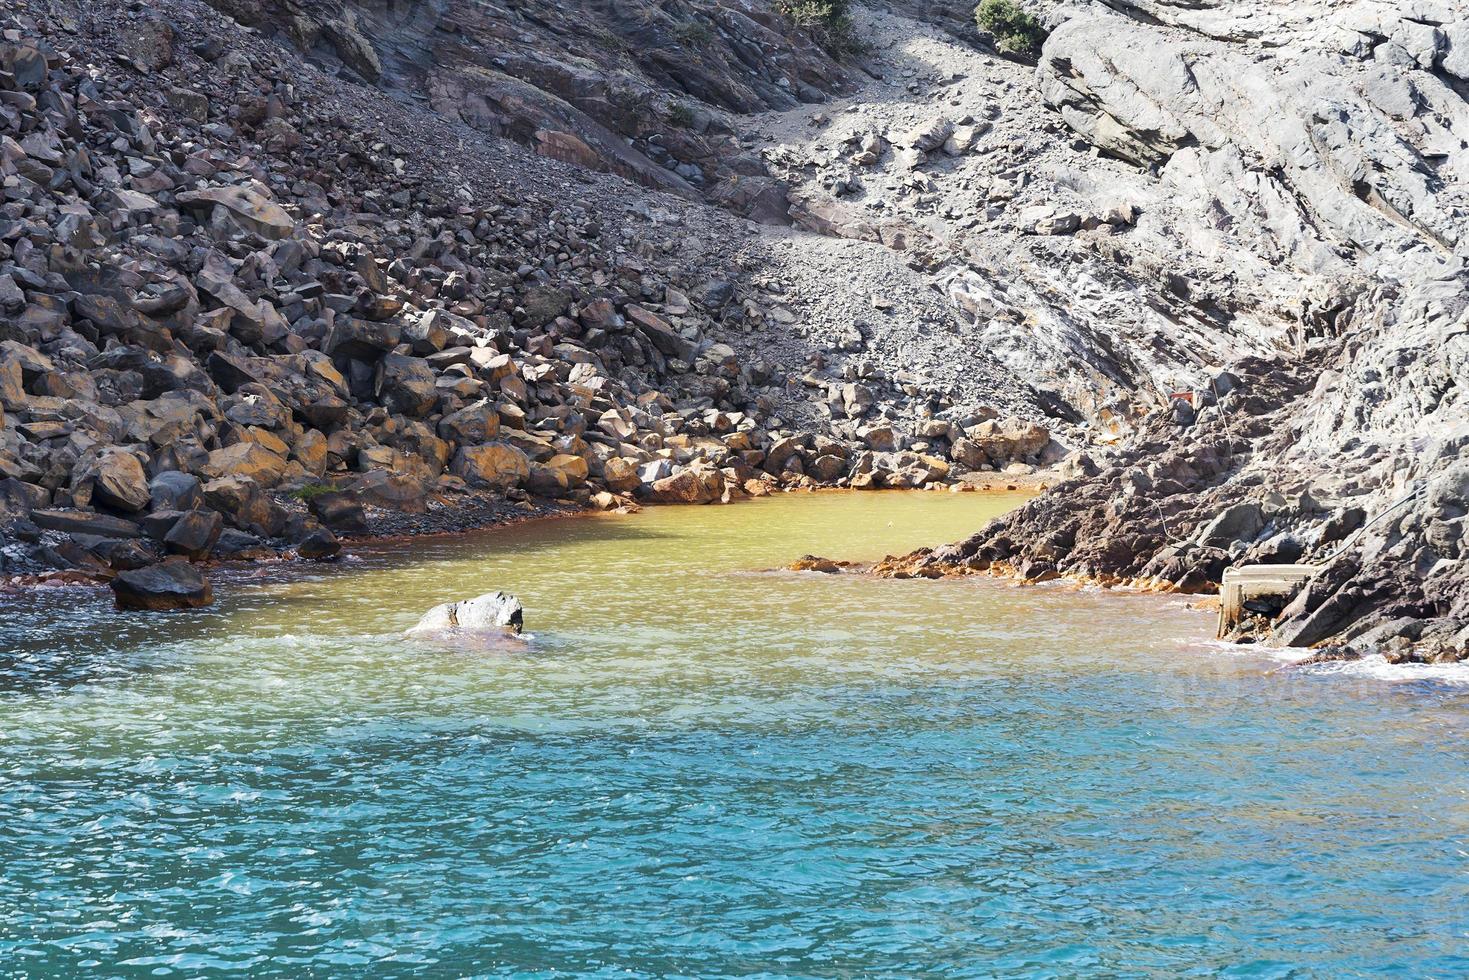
(238, 322)
(274, 275)
(469, 514)
(1172, 516)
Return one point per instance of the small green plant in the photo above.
(307, 491)
(694, 33)
(680, 115)
(1014, 30)
(829, 20)
(632, 110)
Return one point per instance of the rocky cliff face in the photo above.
(633, 89)
(423, 252)
(1313, 155)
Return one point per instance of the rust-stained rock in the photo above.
(691, 486)
(814, 563)
(494, 465)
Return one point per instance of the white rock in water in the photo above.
(492, 611)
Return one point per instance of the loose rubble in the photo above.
(240, 318)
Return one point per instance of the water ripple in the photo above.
(694, 772)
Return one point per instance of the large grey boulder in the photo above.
(173, 584)
(250, 209)
(493, 611)
(1241, 522)
(173, 490)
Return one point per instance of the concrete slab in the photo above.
(1249, 581)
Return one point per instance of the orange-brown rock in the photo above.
(692, 486)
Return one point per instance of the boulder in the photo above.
(358, 338)
(158, 523)
(241, 546)
(929, 135)
(245, 505)
(319, 545)
(18, 498)
(399, 491)
(827, 469)
(194, 534)
(190, 103)
(172, 490)
(147, 43)
(692, 486)
(12, 386)
(573, 467)
(473, 424)
(429, 332)
(1047, 220)
(79, 522)
(557, 475)
(173, 584)
(118, 481)
(492, 611)
(247, 461)
(781, 451)
(339, 511)
(230, 371)
(970, 453)
(32, 363)
(248, 209)
(493, 465)
(621, 475)
(1009, 439)
(405, 385)
(662, 335)
(881, 438)
(121, 554)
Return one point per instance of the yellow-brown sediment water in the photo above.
(701, 767)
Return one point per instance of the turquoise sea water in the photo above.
(698, 768)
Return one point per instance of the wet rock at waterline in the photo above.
(493, 612)
(815, 563)
(319, 545)
(173, 584)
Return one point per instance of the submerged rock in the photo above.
(491, 611)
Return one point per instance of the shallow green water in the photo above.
(702, 769)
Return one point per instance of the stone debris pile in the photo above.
(236, 321)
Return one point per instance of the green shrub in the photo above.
(694, 33)
(308, 490)
(815, 13)
(680, 115)
(829, 20)
(1014, 30)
